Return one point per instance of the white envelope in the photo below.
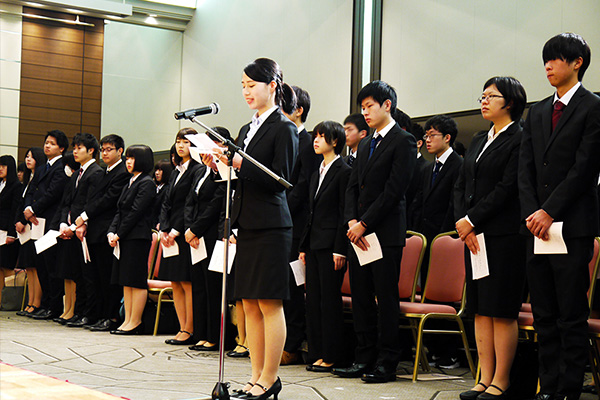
(26, 235)
(198, 254)
(216, 262)
(117, 251)
(46, 241)
(373, 253)
(479, 261)
(37, 231)
(555, 243)
(3, 236)
(299, 270)
(86, 251)
(170, 251)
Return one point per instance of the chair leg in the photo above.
(158, 306)
(419, 350)
(24, 292)
(594, 361)
(463, 335)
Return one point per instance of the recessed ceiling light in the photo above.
(151, 20)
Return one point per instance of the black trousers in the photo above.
(558, 285)
(324, 308)
(294, 310)
(376, 323)
(107, 296)
(206, 296)
(53, 288)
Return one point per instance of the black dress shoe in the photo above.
(135, 331)
(91, 326)
(72, 319)
(176, 342)
(34, 312)
(354, 371)
(44, 314)
(320, 368)
(546, 396)
(204, 348)
(489, 396)
(272, 391)
(80, 323)
(240, 354)
(103, 326)
(24, 313)
(379, 375)
(472, 394)
(59, 320)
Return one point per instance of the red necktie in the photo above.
(556, 113)
(79, 177)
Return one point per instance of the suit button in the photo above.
(545, 163)
(546, 185)
(470, 197)
(362, 186)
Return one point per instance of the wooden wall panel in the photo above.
(61, 78)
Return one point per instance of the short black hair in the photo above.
(11, 168)
(221, 131)
(402, 119)
(21, 167)
(380, 91)
(185, 131)
(443, 124)
(417, 131)
(113, 139)
(302, 100)
(460, 148)
(61, 139)
(358, 120)
(86, 140)
(69, 160)
(568, 47)
(143, 156)
(166, 167)
(174, 156)
(331, 131)
(513, 92)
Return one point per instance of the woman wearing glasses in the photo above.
(486, 202)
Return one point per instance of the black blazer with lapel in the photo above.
(77, 196)
(48, 192)
(203, 209)
(133, 218)
(435, 202)
(487, 191)
(171, 215)
(306, 164)
(558, 170)
(260, 201)
(413, 207)
(10, 202)
(103, 202)
(326, 227)
(377, 186)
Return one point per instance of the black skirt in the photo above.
(501, 293)
(177, 268)
(27, 255)
(69, 259)
(131, 269)
(9, 254)
(262, 264)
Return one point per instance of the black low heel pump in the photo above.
(272, 391)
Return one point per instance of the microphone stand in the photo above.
(221, 389)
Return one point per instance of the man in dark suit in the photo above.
(413, 210)
(306, 164)
(375, 203)
(94, 222)
(356, 129)
(45, 201)
(85, 148)
(558, 172)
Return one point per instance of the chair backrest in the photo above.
(446, 275)
(346, 283)
(593, 268)
(412, 257)
(153, 253)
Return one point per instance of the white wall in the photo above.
(310, 39)
(439, 53)
(10, 78)
(141, 84)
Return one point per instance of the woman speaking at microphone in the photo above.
(261, 214)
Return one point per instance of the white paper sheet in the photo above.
(86, 251)
(3, 236)
(198, 254)
(223, 171)
(299, 270)
(195, 154)
(555, 243)
(46, 241)
(26, 235)
(204, 145)
(37, 231)
(373, 252)
(170, 251)
(216, 261)
(479, 261)
(117, 251)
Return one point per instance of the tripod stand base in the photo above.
(221, 391)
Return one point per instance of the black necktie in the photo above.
(374, 142)
(436, 171)
(556, 113)
(47, 167)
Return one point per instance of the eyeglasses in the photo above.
(426, 137)
(488, 98)
(107, 149)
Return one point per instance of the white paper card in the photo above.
(216, 262)
(198, 254)
(3, 236)
(299, 270)
(117, 251)
(555, 243)
(195, 154)
(26, 235)
(37, 231)
(86, 251)
(373, 252)
(170, 251)
(479, 261)
(224, 170)
(46, 241)
(204, 145)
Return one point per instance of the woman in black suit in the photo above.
(486, 201)
(323, 248)
(131, 229)
(162, 173)
(177, 269)
(9, 202)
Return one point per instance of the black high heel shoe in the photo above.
(135, 331)
(272, 391)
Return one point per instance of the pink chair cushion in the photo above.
(156, 284)
(406, 307)
(525, 318)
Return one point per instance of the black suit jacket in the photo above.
(435, 202)
(260, 201)
(171, 215)
(487, 191)
(414, 208)
(133, 218)
(77, 196)
(306, 164)
(10, 201)
(558, 170)
(203, 209)
(102, 206)
(326, 227)
(48, 191)
(377, 186)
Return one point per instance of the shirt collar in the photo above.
(183, 167)
(258, 120)
(301, 128)
(419, 155)
(444, 157)
(493, 135)
(385, 130)
(87, 164)
(108, 169)
(567, 96)
(58, 157)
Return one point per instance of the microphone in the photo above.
(212, 108)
